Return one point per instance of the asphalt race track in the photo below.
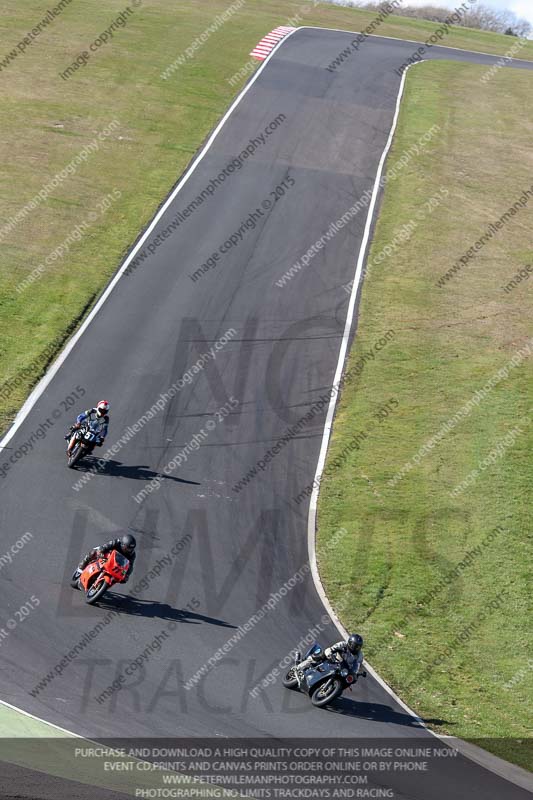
(239, 546)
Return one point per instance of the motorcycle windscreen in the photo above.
(117, 565)
(315, 650)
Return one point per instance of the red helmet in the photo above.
(102, 408)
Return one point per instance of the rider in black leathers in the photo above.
(351, 651)
(124, 544)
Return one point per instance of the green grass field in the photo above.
(447, 340)
(452, 636)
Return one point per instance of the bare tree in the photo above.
(480, 17)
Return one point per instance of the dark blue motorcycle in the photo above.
(323, 680)
(86, 440)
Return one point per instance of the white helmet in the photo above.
(102, 408)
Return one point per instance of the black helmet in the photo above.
(128, 543)
(354, 643)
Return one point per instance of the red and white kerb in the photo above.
(268, 42)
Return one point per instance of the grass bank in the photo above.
(118, 135)
(435, 570)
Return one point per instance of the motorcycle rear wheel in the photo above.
(290, 681)
(95, 591)
(325, 693)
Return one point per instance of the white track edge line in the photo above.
(75, 736)
(311, 522)
(416, 41)
(489, 764)
(39, 719)
(60, 360)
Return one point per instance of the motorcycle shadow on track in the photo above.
(136, 472)
(378, 712)
(153, 609)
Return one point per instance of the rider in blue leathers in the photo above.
(98, 419)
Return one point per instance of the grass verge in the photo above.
(435, 569)
(86, 223)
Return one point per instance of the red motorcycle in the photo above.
(100, 575)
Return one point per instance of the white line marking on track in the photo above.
(311, 520)
(415, 41)
(38, 719)
(58, 363)
(62, 357)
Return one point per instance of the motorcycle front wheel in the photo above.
(290, 681)
(326, 693)
(77, 453)
(74, 581)
(95, 591)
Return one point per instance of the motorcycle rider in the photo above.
(350, 651)
(98, 419)
(125, 544)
